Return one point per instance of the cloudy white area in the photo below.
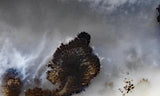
(108, 5)
(125, 34)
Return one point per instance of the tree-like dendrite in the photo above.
(12, 84)
(73, 66)
(38, 92)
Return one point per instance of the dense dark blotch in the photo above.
(84, 35)
(12, 83)
(73, 66)
(158, 9)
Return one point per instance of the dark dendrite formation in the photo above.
(158, 18)
(38, 92)
(11, 83)
(73, 66)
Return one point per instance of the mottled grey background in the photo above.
(125, 35)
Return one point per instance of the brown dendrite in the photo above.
(12, 84)
(129, 86)
(38, 92)
(72, 68)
